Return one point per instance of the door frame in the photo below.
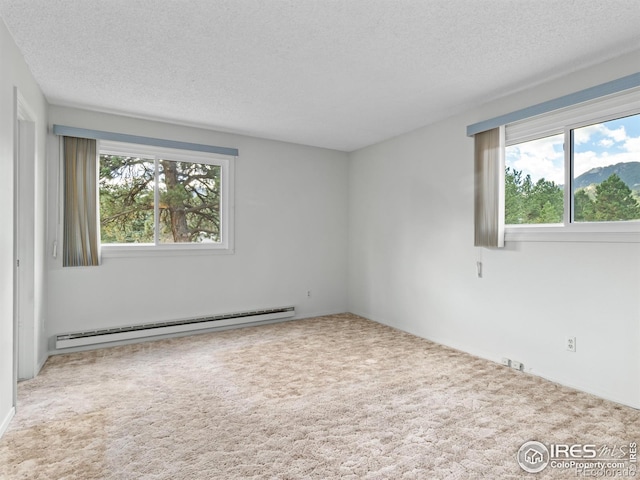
(25, 342)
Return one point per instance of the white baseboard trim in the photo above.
(53, 351)
(7, 420)
(119, 343)
(529, 370)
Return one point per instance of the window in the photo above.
(161, 198)
(534, 174)
(606, 171)
(575, 170)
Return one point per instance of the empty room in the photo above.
(382, 239)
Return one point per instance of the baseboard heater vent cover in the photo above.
(106, 335)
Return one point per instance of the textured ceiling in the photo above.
(340, 74)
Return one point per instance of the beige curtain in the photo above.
(489, 188)
(80, 203)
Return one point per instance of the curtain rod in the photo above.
(156, 142)
(608, 88)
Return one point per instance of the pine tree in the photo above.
(584, 207)
(614, 201)
(513, 198)
(188, 207)
(526, 202)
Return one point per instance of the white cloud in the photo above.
(584, 134)
(618, 135)
(585, 161)
(632, 145)
(539, 159)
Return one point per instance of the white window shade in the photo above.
(604, 90)
(554, 122)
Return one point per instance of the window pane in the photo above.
(606, 170)
(189, 209)
(126, 199)
(534, 177)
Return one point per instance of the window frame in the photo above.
(154, 153)
(598, 111)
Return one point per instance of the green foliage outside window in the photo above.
(612, 201)
(531, 203)
(188, 207)
(542, 202)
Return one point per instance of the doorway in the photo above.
(25, 338)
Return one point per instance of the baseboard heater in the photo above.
(106, 335)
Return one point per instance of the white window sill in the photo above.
(587, 232)
(142, 250)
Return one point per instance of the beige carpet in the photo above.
(332, 397)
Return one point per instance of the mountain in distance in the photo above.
(628, 172)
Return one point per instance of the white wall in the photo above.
(410, 256)
(290, 237)
(412, 264)
(15, 73)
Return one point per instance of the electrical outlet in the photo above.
(308, 293)
(517, 365)
(506, 362)
(571, 344)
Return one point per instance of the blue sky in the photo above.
(597, 145)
